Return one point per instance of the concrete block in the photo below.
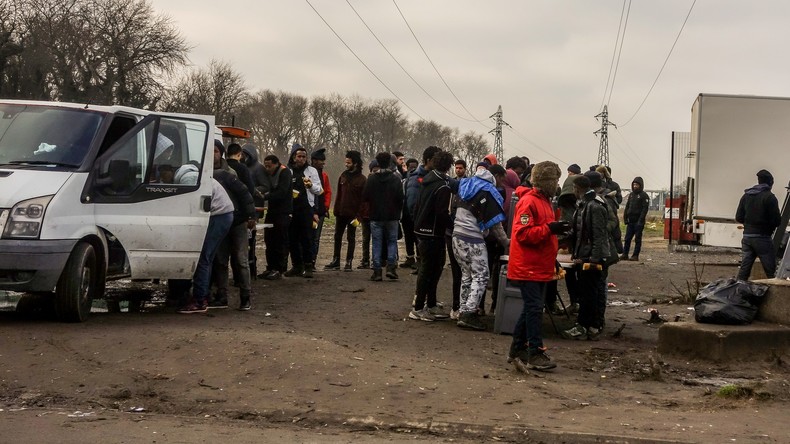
(723, 343)
(776, 305)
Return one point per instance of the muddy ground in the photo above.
(335, 359)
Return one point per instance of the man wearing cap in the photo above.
(322, 204)
(758, 211)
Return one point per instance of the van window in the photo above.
(44, 135)
(160, 150)
(126, 167)
(185, 141)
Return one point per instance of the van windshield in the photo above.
(44, 135)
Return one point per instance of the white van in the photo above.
(88, 194)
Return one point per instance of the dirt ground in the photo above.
(335, 359)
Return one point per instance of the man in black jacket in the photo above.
(634, 217)
(384, 196)
(590, 248)
(235, 241)
(278, 215)
(758, 211)
(431, 220)
(249, 156)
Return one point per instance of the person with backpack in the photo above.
(479, 211)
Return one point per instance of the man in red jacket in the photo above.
(533, 254)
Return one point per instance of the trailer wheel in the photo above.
(77, 285)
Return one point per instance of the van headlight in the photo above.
(25, 218)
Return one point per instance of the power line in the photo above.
(362, 62)
(614, 55)
(619, 52)
(662, 66)
(525, 138)
(629, 151)
(431, 62)
(404, 69)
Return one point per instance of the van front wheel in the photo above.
(77, 285)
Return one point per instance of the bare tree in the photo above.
(217, 90)
(106, 51)
(471, 147)
(275, 119)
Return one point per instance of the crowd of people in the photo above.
(477, 217)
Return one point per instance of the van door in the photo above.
(159, 221)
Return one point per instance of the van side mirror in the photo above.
(117, 175)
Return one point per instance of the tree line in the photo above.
(124, 52)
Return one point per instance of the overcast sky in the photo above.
(545, 62)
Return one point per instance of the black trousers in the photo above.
(432, 259)
(300, 238)
(276, 240)
(341, 225)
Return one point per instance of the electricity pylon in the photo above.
(499, 151)
(603, 148)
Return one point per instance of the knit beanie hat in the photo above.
(319, 154)
(574, 168)
(764, 176)
(595, 179)
(545, 176)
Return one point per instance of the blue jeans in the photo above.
(528, 333)
(633, 230)
(218, 227)
(379, 231)
(752, 247)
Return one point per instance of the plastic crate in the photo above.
(508, 305)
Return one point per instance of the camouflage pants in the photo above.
(473, 260)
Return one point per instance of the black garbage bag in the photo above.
(729, 301)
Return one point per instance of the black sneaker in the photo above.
(334, 265)
(392, 273)
(471, 321)
(348, 266)
(408, 263)
(245, 304)
(294, 272)
(218, 303)
(364, 265)
(538, 360)
(376, 276)
(273, 275)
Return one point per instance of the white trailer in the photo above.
(733, 137)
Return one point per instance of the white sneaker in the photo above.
(421, 315)
(577, 332)
(455, 314)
